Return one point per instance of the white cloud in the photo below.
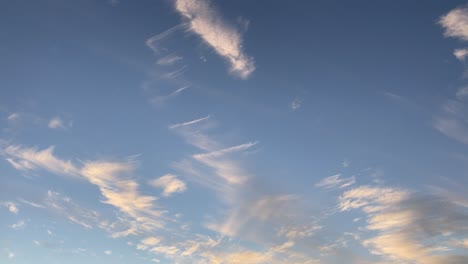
(169, 60)
(160, 99)
(66, 207)
(453, 128)
(189, 122)
(108, 252)
(224, 167)
(11, 206)
(296, 104)
(345, 163)
(113, 179)
(13, 117)
(148, 242)
(461, 54)
(166, 250)
(192, 132)
(32, 159)
(154, 42)
(170, 184)
(9, 253)
(18, 225)
(56, 122)
(33, 204)
(455, 23)
(452, 119)
(335, 181)
(462, 93)
(253, 213)
(205, 21)
(121, 191)
(406, 227)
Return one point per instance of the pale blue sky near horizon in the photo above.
(197, 131)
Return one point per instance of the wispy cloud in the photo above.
(21, 224)
(225, 167)
(154, 43)
(11, 206)
(9, 253)
(31, 159)
(336, 181)
(461, 54)
(205, 21)
(64, 206)
(168, 60)
(58, 122)
(462, 93)
(113, 179)
(13, 117)
(296, 104)
(411, 227)
(119, 190)
(451, 119)
(189, 122)
(170, 184)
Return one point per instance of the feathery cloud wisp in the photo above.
(205, 21)
(461, 54)
(335, 181)
(170, 184)
(31, 158)
(113, 179)
(408, 227)
(56, 122)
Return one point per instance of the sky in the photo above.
(224, 132)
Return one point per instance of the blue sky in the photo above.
(185, 131)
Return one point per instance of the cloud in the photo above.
(113, 179)
(461, 54)
(192, 132)
(56, 122)
(9, 253)
(121, 191)
(67, 208)
(455, 23)
(296, 104)
(148, 242)
(345, 163)
(170, 184)
(452, 119)
(189, 122)
(13, 117)
(462, 93)
(336, 181)
(108, 252)
(452, 126)
(408, 227)
(225, 167)
(32, 159)
(154, 42)
(205, 21)
(253, 213)
(11, 206)
(18, 225)
(160, 99)
(168, 60)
